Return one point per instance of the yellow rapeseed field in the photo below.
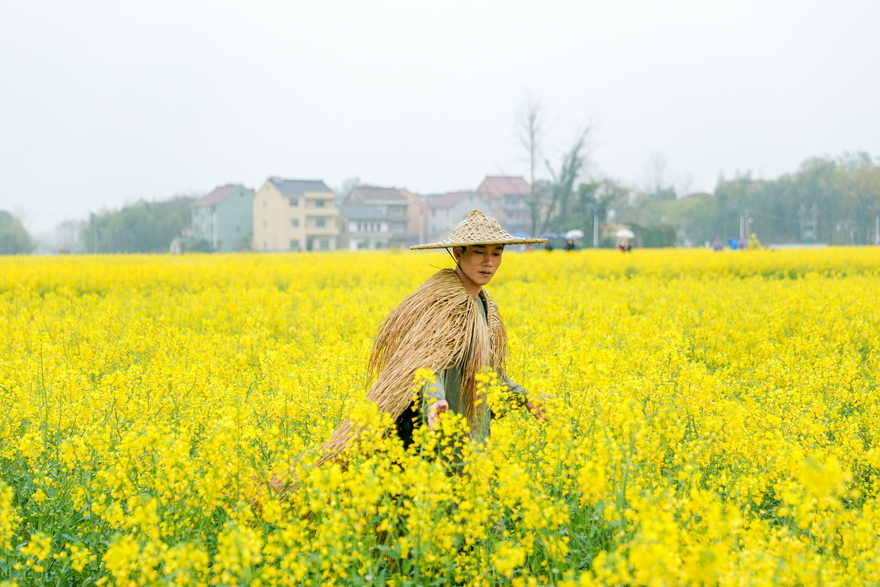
(714, 420)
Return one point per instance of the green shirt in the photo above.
(447, 386)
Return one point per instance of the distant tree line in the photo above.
(825, 201)
(14, 239)
(143, 227)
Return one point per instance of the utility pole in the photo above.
(742, 219)
(595, 225)
(876, 223)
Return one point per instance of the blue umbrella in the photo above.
(548, 235)
(519, 235)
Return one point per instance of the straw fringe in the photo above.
(436, 327)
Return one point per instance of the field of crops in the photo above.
(715, 419)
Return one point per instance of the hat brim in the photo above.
(450, 244)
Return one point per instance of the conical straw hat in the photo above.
(479, 229)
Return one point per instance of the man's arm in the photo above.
(519, 395)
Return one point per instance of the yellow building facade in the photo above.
(295, 215)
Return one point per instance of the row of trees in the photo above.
(143, 227)
(14, 239)
(565, 200)
(828, 200)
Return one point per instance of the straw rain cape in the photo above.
(437, 326)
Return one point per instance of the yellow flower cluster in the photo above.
(711, 419)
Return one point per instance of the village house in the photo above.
(224, 218)
(379, 217)
(364, 227)
(508, 201)
(418, 224)
(295, 215)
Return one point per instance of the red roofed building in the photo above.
(508, 200)
(401, 213)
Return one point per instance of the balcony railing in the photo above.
(328, 230)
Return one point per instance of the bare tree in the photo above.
(70, 235)
(573, 163)
(530, 131)
(658, 185)
(685, 184)
(656, 173)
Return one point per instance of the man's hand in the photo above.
(434, 410)
(536, 408)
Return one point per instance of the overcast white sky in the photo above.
(103, 103)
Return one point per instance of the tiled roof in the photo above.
(447, 200)
(376, 195)
(509, 184)
(361, 213)
(218, 195)
(428, 198)
(296, 187)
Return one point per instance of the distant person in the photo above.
(717, 245)
(732, 243)
(569, 244)
(754, 243)
(741, 243)
(623, 246)
(548, 246)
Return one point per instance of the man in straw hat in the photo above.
(449, 326)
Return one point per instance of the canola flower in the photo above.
(714, 421)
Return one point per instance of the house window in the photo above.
(319, 204)
(265, 224)
(265, 246)
(398, 226)
(294, 222)
(265, 204)
(320, 222)
(294, 202)
(294, 245)
(324, 244)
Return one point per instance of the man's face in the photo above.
(479, 262)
